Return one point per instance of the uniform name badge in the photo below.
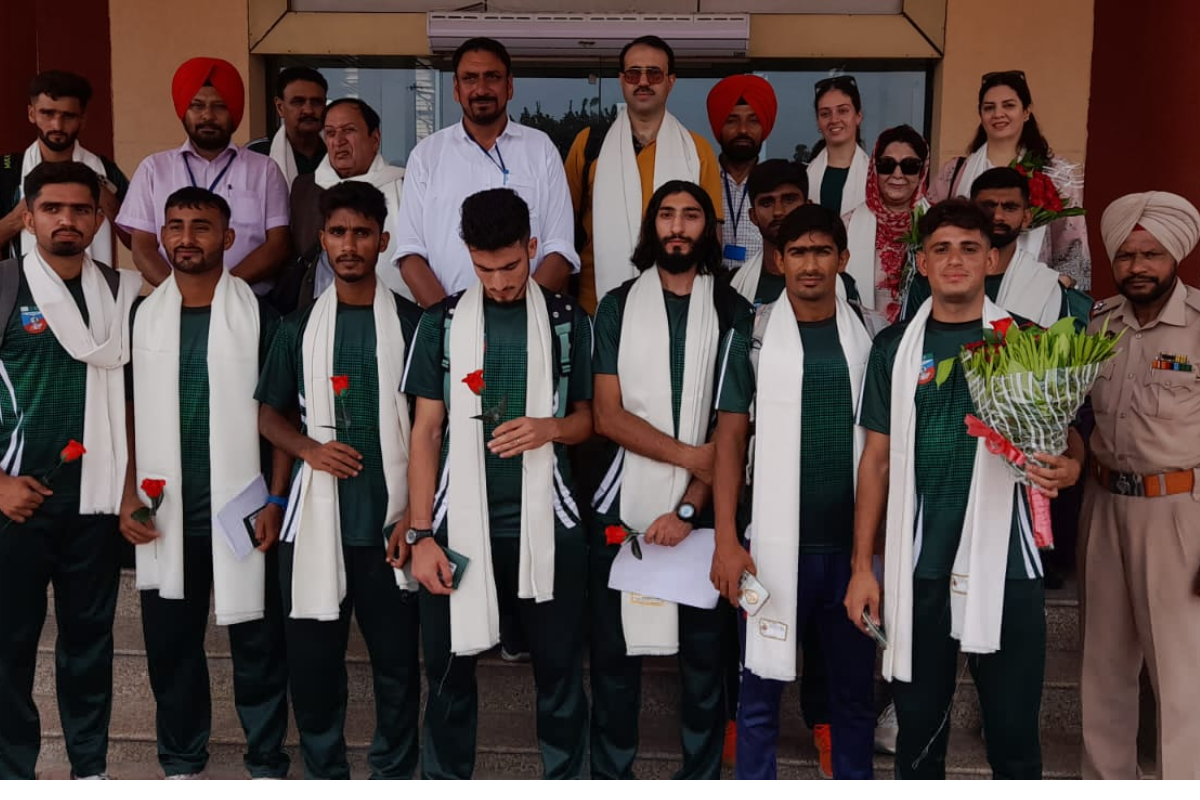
(735, 252)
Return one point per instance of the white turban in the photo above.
(1169, 218)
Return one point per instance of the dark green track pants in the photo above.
(79, 556)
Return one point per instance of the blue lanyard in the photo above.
(500, 165)
(212, 187)
(736, 218)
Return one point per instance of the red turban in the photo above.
(195, 72)
(753, 89)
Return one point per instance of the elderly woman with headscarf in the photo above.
(878, 228)
(1142, 547)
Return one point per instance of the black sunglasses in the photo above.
(1012, 74)
(886, 165)
(835, 82)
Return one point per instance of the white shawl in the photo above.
(313, 520)
(101, 248)
(103, 343)
(775, 545)
(977, 580)
(651, 488)
(474, 609)
(745, 280)
(977, 163)
(617, 200)
(855, 191)
(1030, 289)
(389, 180)
(283, 155)
(233, 336)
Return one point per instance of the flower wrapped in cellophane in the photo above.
(1027, 386)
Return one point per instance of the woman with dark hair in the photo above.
(1008, 133)
(838, 170)
(878, 228)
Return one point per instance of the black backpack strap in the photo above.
(10, 284)
(10, 190)
(111, 277)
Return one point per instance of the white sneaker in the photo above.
(886, 730)
(189, 776)
(99, 776)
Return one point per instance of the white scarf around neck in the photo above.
(775, 545)
(474, 608)
(282, 154)
(978, 574)
(101, 248)
(313, 521)
(103, 343)
(863, 265)
(745, 280)
(390, 181)
(617, 200)
(1030, 289)
(976, 164)
(651, 488)
(855, 191)
(233, 336)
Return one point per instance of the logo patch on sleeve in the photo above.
(32, 320)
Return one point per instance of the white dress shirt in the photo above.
(449, 166)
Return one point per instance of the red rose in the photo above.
(1001, 326)
(72, 452)
(153, 488)
(474, 381)
(615, 534)
(340, 384)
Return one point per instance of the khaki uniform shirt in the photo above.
(1147, 410)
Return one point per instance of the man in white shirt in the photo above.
(485, 150)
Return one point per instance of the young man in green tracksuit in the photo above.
(336, 366)
(656, 351)
(502, 375)
(919, 471)
(62, 382)
(181, 558)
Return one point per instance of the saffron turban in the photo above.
(194, 73)
(1169, 218)
(753, 89)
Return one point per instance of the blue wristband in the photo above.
(275, 499)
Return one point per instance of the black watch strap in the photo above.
(415, 535)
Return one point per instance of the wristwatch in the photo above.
(686, 512)
(413, 535)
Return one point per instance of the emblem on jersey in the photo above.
(32, 320)
(928, 369)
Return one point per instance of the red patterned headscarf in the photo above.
(893, 226)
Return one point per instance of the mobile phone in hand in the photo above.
(873, 629)
(752, 595)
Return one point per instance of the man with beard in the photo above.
(741, 110)
(297, 147)
(485, 150)
(609, 170)
(352, 137)
(64, 343)
(197, 429)
(209, 98)
(57, 108)
(502, 374)
(1141, 557)
(656, 350)
(330, 400)
(1017, 283)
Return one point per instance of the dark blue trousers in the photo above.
(850, 663)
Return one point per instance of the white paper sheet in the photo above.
(679, 573)
(231, 518)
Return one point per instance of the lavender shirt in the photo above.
(252, 185)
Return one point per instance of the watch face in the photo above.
(410, 536)
(687, 511)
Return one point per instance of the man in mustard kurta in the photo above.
(644, 147)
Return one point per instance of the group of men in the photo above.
(438, 440)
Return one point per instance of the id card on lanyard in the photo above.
(212, 187)
(733, 251)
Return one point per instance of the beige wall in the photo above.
(151, 38)
(1050, 39)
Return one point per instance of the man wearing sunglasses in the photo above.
(643, 148)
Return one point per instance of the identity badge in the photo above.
(735, 252)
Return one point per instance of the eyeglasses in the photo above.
(654, 75)
(835, 82)
(886, 165)
(1011, 74)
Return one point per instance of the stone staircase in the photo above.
(507, 745)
